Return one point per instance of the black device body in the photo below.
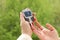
(28, 16)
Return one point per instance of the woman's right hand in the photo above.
(44, 33)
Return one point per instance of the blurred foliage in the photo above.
(47, 11)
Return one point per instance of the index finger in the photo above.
(37, 23)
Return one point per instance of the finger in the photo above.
(35, 19)
(34, 29)
(32, 26)
(46, 31)
(38, 25)
(50, 27)
(39, 33)
(22, 17)
(34, 14)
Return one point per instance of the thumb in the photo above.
(22, 17)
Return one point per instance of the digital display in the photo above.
(27, 13)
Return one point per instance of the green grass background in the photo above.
(47, 11)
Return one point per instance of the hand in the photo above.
(43, 33)
(25, 27)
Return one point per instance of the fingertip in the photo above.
(20, 13)
(50, 27)
(47, 23)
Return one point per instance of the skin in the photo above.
(42, 32)
(25, 27)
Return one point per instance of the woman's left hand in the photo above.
(25, 26)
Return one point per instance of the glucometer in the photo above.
(28, 15)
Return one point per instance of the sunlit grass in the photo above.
(47, 11)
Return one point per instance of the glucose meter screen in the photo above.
(27, 13)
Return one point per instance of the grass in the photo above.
(47, 11)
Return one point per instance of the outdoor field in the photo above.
(47, 11)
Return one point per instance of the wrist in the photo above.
(27, 34)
